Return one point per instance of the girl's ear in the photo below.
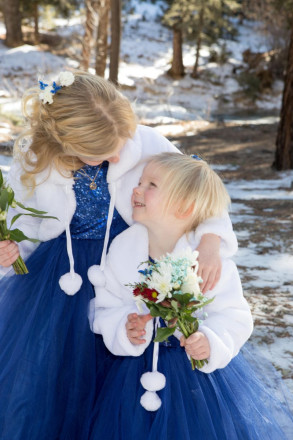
(182, 213)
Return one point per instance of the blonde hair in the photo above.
(191, 184)
(86, 119)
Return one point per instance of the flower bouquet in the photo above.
(6, 233)
(170, 287)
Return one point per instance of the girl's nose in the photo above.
(136, 190)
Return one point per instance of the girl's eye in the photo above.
(139, 183)
(153, 184)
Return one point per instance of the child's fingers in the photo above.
(9, 252)
(132, 316)
(145, 318)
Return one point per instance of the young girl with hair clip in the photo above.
(223, 400)
(78, 161)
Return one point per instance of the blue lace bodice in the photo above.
(90, 218)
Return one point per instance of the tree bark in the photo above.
(177, 67)
(90, 26)
(284, 142)
(12, 19)
(115, 40)
(36, 21)
(102, 37)
(198, 43)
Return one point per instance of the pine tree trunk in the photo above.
(90, 25)
(284, 142)
(102, 38)
(36, 21)
(12, 18)
(177, 68)
(198, 43)
(115, 40)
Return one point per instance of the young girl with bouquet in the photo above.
(80, 162)
(150, 391)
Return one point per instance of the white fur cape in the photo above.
(55, 195)
(229, 322)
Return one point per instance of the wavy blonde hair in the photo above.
(89, 119)
(191, 185)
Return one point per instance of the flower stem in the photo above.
(19, 266)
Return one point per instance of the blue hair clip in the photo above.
(195, 156)
(55, 88)
(43, 85)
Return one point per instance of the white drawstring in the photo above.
(109, 222)
(70, 282)
(153, 381)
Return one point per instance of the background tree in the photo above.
(115, 40)
(91, 14)
(202, 21)
(284, 142)
(12, 19)
(174, 18)
(102, 37)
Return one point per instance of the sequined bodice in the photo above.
(90, 217)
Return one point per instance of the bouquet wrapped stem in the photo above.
(6, 233)
(170, 289)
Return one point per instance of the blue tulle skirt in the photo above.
(49, 358)
(229, 404)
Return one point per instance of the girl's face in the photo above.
(114, 158)
(149, 198)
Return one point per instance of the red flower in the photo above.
(149, 294)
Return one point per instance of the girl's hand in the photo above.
(209, 261)
(197, 346)
(135, 327)
(9, 253)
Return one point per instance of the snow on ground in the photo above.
(146, 53)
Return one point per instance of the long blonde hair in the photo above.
(191, 184)
(89, 118)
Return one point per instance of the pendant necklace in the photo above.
(93, 184)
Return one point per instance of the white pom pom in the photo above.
(153, 381)
(70, 283)
(150, 401)
(96, 276)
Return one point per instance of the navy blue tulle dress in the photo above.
(228, 404)
(49, 358)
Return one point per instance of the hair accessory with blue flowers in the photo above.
(65, 79)
(195, 156)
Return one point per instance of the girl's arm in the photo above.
(229, 321)
(216, 240)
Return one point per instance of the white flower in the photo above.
(65, 79)
(191, 283)
(161, 282)
(46, 96)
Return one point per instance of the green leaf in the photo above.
(31, 215)
(18, 236)
(1, 179)
(35, 211)
(163, 333)
(157, 311)
(184, 298)
(174, 304)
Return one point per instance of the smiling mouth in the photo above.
(138, 205)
